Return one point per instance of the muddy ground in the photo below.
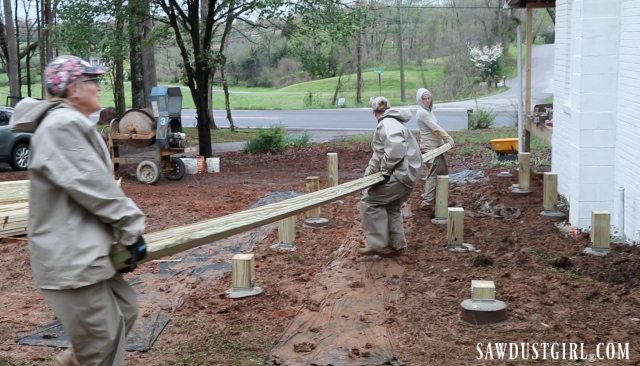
(323, 304)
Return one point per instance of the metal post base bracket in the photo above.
(439, 220)
(284, 247)
(465, 247)
(599, 252)
(516, 189)
(554, 215)
(237, 292)
(316, 222)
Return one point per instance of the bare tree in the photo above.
(10, 51)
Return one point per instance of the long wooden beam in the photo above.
(167, 242)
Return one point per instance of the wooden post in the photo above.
(524, 169)
(455, 227)
(483, 290)
(550, 191)
(600, 232)
(243, 270)
(332, 169)
(527, 96)
(287, 230)
(312, 186)
(442, 199)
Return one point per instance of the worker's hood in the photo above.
(402, 115)
(29, 112)
(419, 94)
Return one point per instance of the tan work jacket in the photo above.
(395, 150)
(76, 210)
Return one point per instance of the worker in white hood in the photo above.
(431, 137)
(396, 154)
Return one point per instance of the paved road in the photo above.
(452, 116)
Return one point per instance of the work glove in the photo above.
(385, 180)
(138, 251)
(449, 140)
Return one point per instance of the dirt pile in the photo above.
(368, 312)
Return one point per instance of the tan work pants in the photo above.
(96, 318)
(438, 166)
(381, 216)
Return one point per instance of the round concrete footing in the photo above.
(236, 292)
(439, 220)
(599, 252)
(480, 312)
(465, 247)
(316, 222)
(553, 215)
(505, 174)
(284, 247)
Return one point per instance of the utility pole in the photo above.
(400, 51)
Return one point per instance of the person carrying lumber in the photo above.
(77, 214)
(396, 154)
(431, 137)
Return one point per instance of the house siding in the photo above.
(585, 92)
(627, 150)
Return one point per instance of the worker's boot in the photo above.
(66, 358)
(367, 251)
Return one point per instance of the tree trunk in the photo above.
(135, 54)
(148, 60)
(12, 54)
(338, 88)
(359, 69)
(401, 52)
(202, 102)
(225, 88)
(118, 62)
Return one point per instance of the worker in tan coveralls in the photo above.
(77, 213)
(396, 154)
(431, 137)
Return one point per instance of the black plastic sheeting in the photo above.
(209, 262)
(141, 338)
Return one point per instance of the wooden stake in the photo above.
(455, 227)
(243, 270)
(332, 169)
(550, 191)
(483, 290)
(442, 196)
(287, 230)
(524, 170)
(312, 186)
(600, 235)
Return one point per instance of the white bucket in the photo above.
(190, 165)
(213, 165)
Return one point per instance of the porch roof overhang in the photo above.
(530, 3)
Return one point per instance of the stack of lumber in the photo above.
(14, 191)
(13, 219)
(14, 208)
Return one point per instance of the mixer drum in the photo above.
(138, 121)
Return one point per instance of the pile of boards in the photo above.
(14, 208)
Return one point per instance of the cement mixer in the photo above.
(161, 127)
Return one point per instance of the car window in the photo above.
(4, 118)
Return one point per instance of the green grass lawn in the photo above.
(307, 95)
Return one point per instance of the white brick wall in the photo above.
(596, 137)
(627, 151)
(585, 91)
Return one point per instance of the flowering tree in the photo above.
(486, 59)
